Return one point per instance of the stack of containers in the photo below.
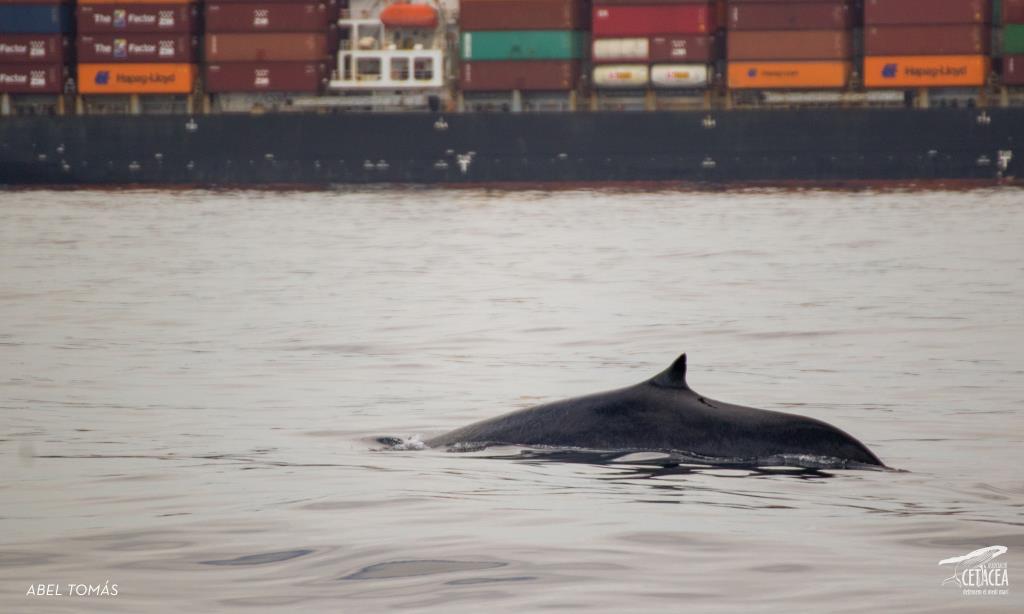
(33, 46)
(1013, 42)
(789, 45)
(521, 45)
(942, 43)
(268, 46)
(638, 43)
(136, 46)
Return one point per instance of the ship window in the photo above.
(424, 69)
(368, 69)
(400, 69)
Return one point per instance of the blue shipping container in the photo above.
(35, 18)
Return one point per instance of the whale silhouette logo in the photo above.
(972, 560)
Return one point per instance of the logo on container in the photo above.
(977, 574)
(102, 77)
(120, 48)
(752, 73)
(120, 18)
(889, 70)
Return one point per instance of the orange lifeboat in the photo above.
(409, 16)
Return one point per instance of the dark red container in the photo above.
(268, 17)
(682, 48)
(523, 15)
(102, 18)
(501, 76)
(106, 18)
(918, 12)
(32, 48)
(1013, 70)
(304, 77)
(270, 47)
(31, 78)
(1013, 11)
(927, 40)
(790, 16)
(618, 20)
(786, 45)
(147, 48)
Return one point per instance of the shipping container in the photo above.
(617, 20)
(919, 12)
(925, 71)
(267, 17)
(1013, 39)
(683, 48)
(304, 77)
(835, 15)
(680, 76)
(523, 45)
(624, 76)
(35, 18)
(788, 75)
(523, 15)
(105, 18)
(1013, 11)
(135, 78)
(81, 2)
(34, 48)
(1013, 70)
(671, 48)
(31, 78)
(967, 39)
(790, 45)
(618, 50)
(137, 48)
(286, 47)
(528, 76)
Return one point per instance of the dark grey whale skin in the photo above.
(663, 414)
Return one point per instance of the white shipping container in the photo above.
(621, 49)
(621, 75)
(680, 75)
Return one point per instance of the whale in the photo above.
(663, 414)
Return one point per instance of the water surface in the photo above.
(190, 382)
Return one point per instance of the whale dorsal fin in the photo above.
(674, 376)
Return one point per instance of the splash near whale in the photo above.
(663, 414)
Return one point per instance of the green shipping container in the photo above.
(1013, 39)
(524, 45)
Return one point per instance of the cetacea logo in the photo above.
(102, 77)
(977, 574)
(889, 70)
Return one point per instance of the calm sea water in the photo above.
(190, 383)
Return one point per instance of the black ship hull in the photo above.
(714, 147)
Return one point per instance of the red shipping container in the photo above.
(306, 77)
(686, 48)
(616, 20)
(106, 18)
(918, 12)
(1013, 70)
(836, 15)
(786, 45)
(31, 79)
(291, 47)
(535, 75)
(1013, 11)
(32, 48)
(145, 48)
(927, 40)
(523, 15)
(268, 17)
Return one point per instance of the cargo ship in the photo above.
(321, 92)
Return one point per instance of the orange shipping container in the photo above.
(788, 75)
(925, 70)
(135, 78)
